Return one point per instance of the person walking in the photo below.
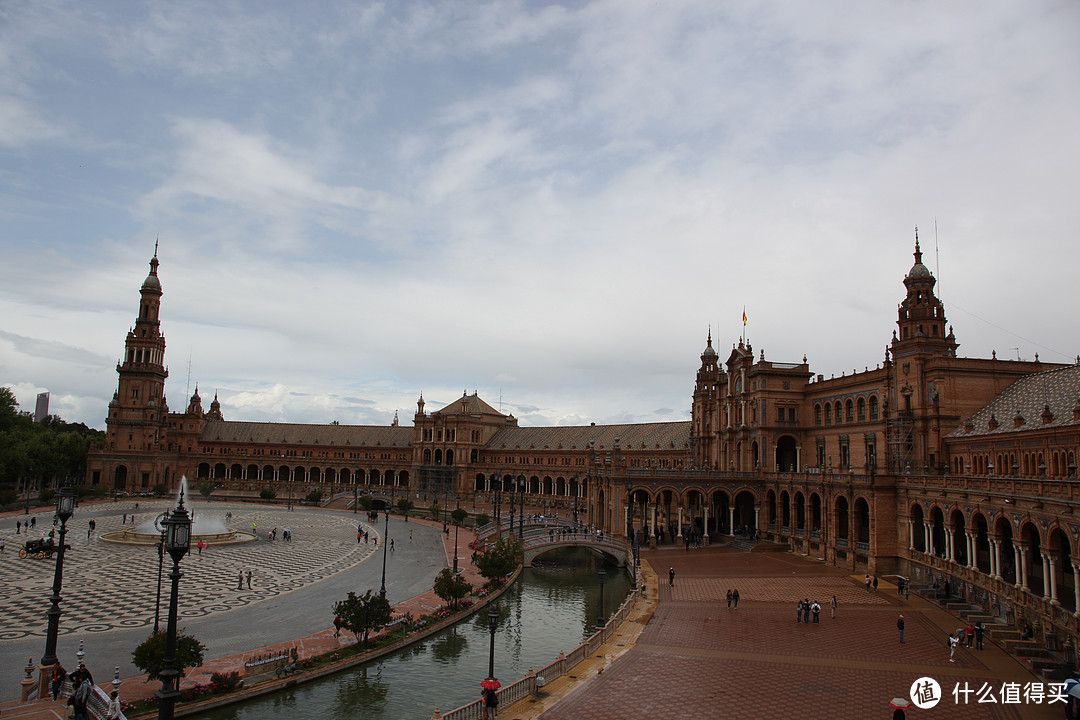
(240, 580)
(832, 607)
(671, 577)
(798, 613)
(900, 627)
(735, 598)
(1, 544)
(729, 598)
(875, 583)
(337, 626)
(200, 546)
(249, 579)
(953, 642)
(867, 582)
(979, 635)
(969, 633)
(816, 608)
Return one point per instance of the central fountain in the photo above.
(210, 530)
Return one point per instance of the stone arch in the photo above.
(800, 511)
(918, 527)
(202, 472)
(861, 518)
(1031, 546)
(843, 520)
(120, 476)
(770, 508)
(957, 535)
(981, 529)
(937, 531)
(1059, 548)
(785, 510)
(755, 455)
(745, 517)
(787, 454)
(1003, 532)
(815, 520)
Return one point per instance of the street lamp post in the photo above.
(521, 510)
(160, 563)
(177, 544)
(498, 503)
(385, 542)
(600, 621)
(629, 514)
(493, 621)
(65, 506)
(513, 506)
(355, 494)
(456, 524)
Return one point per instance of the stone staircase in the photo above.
(1030, 652)
(33, 709)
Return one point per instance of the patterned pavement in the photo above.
(116, 584)
(695, 659)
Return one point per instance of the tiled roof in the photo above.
(469, 405)
(645, 436)
(1029, 398)
(297, 434)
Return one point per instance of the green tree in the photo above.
(435, 510)
(360, 614)
(482, 519)
(150, 655)
(404, 505)
(450, 587)
(315, 496)
(459, 515)
(499, 559)
(365, 502)
(205, 489)
(267, 494)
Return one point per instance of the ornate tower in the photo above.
(704, 431)
(137, 414)
(921, 319)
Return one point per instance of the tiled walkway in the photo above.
(696, 659)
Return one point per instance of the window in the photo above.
(862, 409)
(839, 416)
(791, 414)
(828, 414)
(817, 414)
(849, 415)
(873, 407)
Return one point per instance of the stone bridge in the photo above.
(541, 535)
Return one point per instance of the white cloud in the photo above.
(359, 203)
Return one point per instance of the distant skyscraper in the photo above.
(42, 409)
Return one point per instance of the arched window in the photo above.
(873, 407)
(839, 410)
(828, 414)
(817, 414)
(862, 409)
(849, 412)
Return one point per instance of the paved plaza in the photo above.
(109, 590)
(696, 659)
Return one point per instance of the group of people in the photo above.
(82, 688)
(31, 523)
(240, 580)
(805, 608)
(733, 598)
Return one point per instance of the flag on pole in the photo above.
(744, 316)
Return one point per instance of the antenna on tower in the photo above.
(937, 263)
(187, 392)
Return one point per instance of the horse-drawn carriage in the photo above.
(40, 549)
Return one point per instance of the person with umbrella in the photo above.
(489, 698)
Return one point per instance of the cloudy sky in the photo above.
(550, 204)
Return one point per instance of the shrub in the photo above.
(267, 494)
(315, 496)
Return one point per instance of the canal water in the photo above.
(551, 608)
